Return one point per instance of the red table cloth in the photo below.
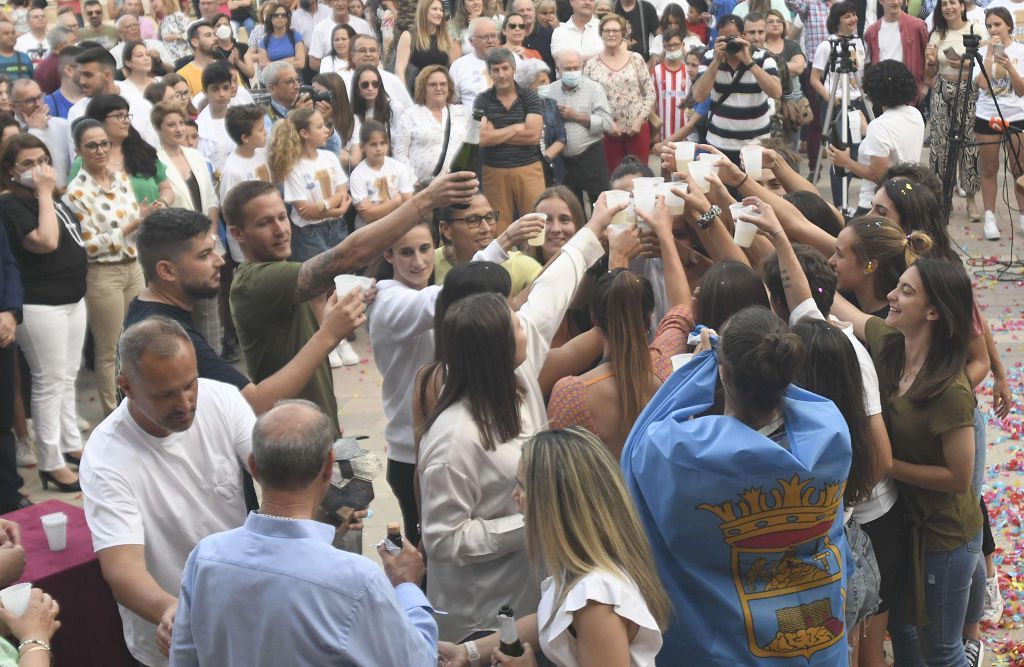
(90, 634)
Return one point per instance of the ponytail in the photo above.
(919, 245)
(882, 241)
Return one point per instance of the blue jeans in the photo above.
(948, 576)
(311, 240)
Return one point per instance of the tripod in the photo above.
(841, 65)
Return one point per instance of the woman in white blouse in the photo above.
(419, 134)
(602, 602)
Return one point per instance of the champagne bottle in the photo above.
(509, 636)
(395, 535)
(467, 158)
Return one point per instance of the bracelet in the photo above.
(472, 653)
(39, 644)
(705, 220)
(34, 648)
(740, 184)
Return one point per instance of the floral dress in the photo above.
(176, 24)
(630, 89)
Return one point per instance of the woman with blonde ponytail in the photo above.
(609, 398)
(314, 183)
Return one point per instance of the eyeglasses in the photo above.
(98, 12)
(279, 15)
(515, 26)
(181, 94)
(97, 146)
(611, 31)
(294, 81)
(366, 85)
(473, 221)
(490, 37)
(120, 116)
(437, 84)
(38, 99)
(31, 164)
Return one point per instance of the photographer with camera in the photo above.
(739, 80)
(283, 83)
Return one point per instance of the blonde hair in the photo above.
(420, 87)
(285, 145)
(882, 241)
(421, 32)
(580, 518)
(608, 18)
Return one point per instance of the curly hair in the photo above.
(285, 145)
(890, 84)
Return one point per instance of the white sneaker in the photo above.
(993, 601)
(347, 354)
(25, 454)
(83, 424)
(334, 359)
(991, 228)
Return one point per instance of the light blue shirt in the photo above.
(275, 592)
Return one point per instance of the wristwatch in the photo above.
(705, 220)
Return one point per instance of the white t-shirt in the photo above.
(1011, 104)
(898, 134)
(890, 46)
(859, 55)
(976, 15)
(320, 43)
(166, 494)
(214, 142)
(237, 169)
(373, 186)
(35, 49)
(587, 41)
(312, 181)
(615, 590)
(471, 78)
(333, 64)
(883, 496)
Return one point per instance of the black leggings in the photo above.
(988, 543)
(400, 479)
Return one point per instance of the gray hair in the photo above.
(499, 56)
(528, 71)
(18, 84)
(478, 22)
(289, 444)
(57, 37)
(567, 52)
(159, 336)
(119, 23)
(273, 72)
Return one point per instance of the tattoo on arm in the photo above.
(317, 275)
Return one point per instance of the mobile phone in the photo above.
(950, 52)
(998, 49)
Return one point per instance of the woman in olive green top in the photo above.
(919, 351)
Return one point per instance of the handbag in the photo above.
(796, 113)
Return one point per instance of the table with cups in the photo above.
(90, 633)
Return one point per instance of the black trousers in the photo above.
(587, 172)
(400, 479)
(10, 480)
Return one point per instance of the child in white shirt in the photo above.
(379, 184)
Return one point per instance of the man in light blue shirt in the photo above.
(275, 592)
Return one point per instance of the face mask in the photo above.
(572, 79)
(27, 179)
(224, 32)
(675, 56)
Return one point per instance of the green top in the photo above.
(145, 187)
(8, 654)
(523, 269)
(940, 521)
(272, 329)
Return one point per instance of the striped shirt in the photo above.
(671, 89)
(746, 114)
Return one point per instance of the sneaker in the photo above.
(993, 601)
(972, 210)
(991, 229)
(335, 359)
(975, 652)
(83, 424)
(25, 454)
(1020, 223)
(347, 354)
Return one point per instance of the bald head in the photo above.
(291, 444)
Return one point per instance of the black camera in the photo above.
(316, 95)
(732, 47)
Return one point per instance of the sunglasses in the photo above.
(515, 26)
(279, 15)
(366, 85)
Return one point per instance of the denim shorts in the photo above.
(311, 240)
(862, 586)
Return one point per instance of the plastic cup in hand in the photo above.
(743, 232)
(709, 157)
(347, 282)
(645, 197)
(538, 239)
(751, 157)
(56, 528)
(614, 198)
(615, 229)
(15, 598)
(686, 151)
(700, 171)
(647, 182)
(674, 202)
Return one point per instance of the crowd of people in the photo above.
(691, 414)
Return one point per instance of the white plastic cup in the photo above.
(616, 229)
(347, 282)
(685, 153)
(743, 232)
(56, 528)
(614, 198)
(752, 159)
(700, 170)
(647, 182)
(709, 157)
(15, 598)
(675, 203)
(680, 360)
(646, 197)
(538, 240)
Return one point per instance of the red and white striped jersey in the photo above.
(671, 89)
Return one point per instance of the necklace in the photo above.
(274, 516)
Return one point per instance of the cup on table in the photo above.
(674, 202)
(686, 151)
(700, 171)
(56, 528)
(751, 156)
(743, 231)
(347, 282)
(15, 598)
(614, 198)
(538, 240)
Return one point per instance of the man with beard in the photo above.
(160, 473)
(177, 256)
